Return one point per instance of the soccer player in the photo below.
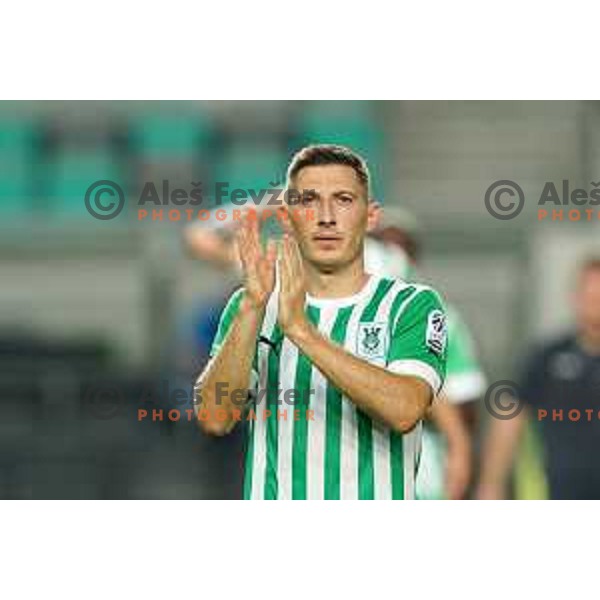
(364, 356)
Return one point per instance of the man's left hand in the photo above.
(292, 293)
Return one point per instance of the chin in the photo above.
(328, 265)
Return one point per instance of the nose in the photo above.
(326, 215)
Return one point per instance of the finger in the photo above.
(282, 216)
(286, 225)
(237, 244)
(247, 253)
(267, 266)
(271, 253)
(296, 254)
(295, 266)
(290, 261)
(240, 235)
(284, 271)
(242, 253)
(253, 233)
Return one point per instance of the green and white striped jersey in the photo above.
(465, 379)
(322, 446)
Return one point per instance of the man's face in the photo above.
(341, 214)
(587, 304)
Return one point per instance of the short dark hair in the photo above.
(329, 154)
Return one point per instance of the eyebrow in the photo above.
(312, 192)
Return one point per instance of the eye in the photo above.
(345, 200)
(307, 199)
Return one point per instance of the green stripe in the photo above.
(366, 471)
(249, 462)
(397, 465)
(397, 303)
(333, 417)
(300, 442)
(271, 483)
(371, 309)
(396, 443)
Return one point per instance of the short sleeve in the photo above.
(418, 344)
(465, 380)
(227, 317)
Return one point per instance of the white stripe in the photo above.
(464, 387)
(285, 427)
(417, 368)
(349, 424)
(381, 436)
(411, 443)
(259, 462)
(381, 462)
(316, 428)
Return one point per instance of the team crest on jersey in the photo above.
(372, 340)
(437, 331)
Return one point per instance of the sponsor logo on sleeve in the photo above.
(437, 331)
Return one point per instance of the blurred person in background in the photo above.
(445, 467)
(392, 251)
(560, 389)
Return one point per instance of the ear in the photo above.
(374, 215)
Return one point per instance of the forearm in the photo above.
(448, 420)
(217, 389)
(210, 245)
(499, 449)
(398, 401)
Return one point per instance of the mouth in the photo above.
(326, 237)
(327, 242)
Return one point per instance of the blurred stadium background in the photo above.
(95, 314)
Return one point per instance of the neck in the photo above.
(346, 281)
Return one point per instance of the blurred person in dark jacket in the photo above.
(560, 389)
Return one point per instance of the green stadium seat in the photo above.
(69, 175)
(15, 187)
(252, 166)
(16, 136)
(171, 136)
(17, 147)
(349, 123)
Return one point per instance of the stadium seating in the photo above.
(17, 146)
(70, 173)
(350, 124)
(171, 136)
(251, 166)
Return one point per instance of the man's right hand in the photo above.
(258, 265)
